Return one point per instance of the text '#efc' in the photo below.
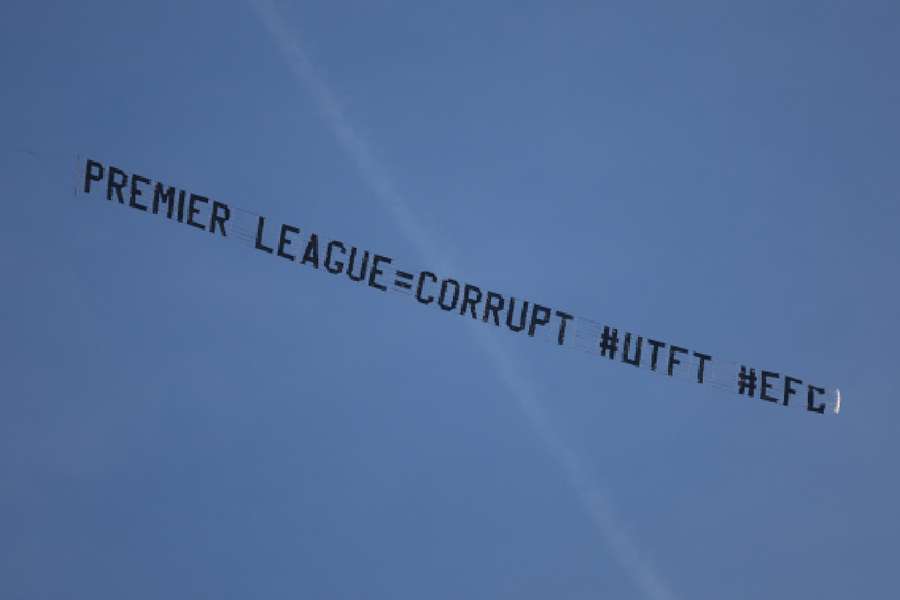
(380, 272)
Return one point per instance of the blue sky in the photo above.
(184, 417)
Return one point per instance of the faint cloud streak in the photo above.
(594, 499)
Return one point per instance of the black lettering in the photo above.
(181, 206)
(111, 184)
(338, 266)
(493, 304)
(93, 171)
(419, 287)
(444, 285)
(609, 342)
(216, 218)
(765, 386)
(538, 320)
(311, 253)
(193, 210)
(362, 267)
(672, 360)
(261, 223)
(636, 360)
(284, 241)
(375, 272)
(653, 355)
(811, 391)
(788, 389)
(747, 381)
(471, 297)
(135, 192)
(703, 358)
(563, 320)
(522, 315)
(168, 197)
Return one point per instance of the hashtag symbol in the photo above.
(747, 381)
(609, 342)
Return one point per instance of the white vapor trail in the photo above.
(592, 496)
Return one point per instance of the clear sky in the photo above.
(183, 417)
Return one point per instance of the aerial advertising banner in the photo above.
(446, 293)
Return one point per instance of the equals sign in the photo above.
(403, 279)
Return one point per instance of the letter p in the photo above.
(93, 171)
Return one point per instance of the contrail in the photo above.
(591, 495)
